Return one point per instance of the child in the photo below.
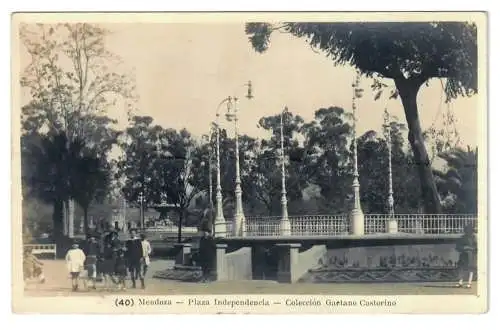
(120, 268)
(32, 267)
(75, 259)
(146, 251)
(134, 257)
(92, 250)
(467, 246)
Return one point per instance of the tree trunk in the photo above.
(57, 219)
(408, 90)
(179, 228)
(85, 220)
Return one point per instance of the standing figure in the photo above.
(112, 240)
(120, 268)
(107, 262)
(146, 251)
(75, 259)
(467, 249)
(92, 251)
(33, 268)
(134, 257)
(206, 254)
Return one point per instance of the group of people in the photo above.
(113, 261)
(110, 259)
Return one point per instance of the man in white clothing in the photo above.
(146, 251)
(75, 260)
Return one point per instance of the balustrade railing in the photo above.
(420, 223)
(170, 229)
(339, 225)
(319, 225)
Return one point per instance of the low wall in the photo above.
(397, 255)
(309, 259)
(239, 264)
(403, 263)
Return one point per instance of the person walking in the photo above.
(92, 251)
(115, 240)
(75, 259)
(467, 249)
(146, 251)
(120, 268)
(134, 257)
(206, 254)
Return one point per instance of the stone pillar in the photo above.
(357, 219)
(71, 218)
(220, 263)
(419, 228)
(288, 262)
(184, 254)
(65, 218)
(220, 225)
(392, 226)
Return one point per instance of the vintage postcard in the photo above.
(257, 163)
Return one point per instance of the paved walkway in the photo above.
(59, 284)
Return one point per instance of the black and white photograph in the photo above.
(250, 162)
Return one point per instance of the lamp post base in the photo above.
(392, 226)
(220, 229)
(357, 222)
(285, 227)
(239, 225)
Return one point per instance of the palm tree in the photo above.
(47, 167)
(89, 182)
(57, 169)
(458, 182)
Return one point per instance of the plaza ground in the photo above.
(59, 284)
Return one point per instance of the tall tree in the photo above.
(328, 160)
(53, 162)
(266, 170)
(373, 167)
(72, 81)
(72, 78)
(135, 167)
(90, 182)
(409, 53)
(179, 178)
(373, 158)
(162, 164)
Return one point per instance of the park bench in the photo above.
(42, 249)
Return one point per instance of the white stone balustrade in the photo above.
(338, 225)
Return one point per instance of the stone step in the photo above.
(179, 275)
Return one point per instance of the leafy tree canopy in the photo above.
(416, 51)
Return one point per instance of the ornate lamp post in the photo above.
(392, 224)
(124, 214)
(208, 139)
(285, 222)
(219, 222)
(232, 115)
(357, 216)
(142, 199)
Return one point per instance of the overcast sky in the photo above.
(183, 71)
